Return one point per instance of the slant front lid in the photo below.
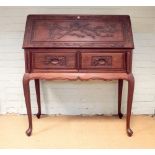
(71, 31)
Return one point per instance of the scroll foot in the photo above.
(129, 132)
(28, 132)
(120, 115)
(38, 115)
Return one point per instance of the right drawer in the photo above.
(104, 61)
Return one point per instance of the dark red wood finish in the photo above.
(81, 31)
(78, 47)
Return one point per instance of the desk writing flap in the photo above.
(78, 31)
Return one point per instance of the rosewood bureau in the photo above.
(78, 47)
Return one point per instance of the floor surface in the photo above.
(76, 132)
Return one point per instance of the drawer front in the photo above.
(103, 61)
(50, 61)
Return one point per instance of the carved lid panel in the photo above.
(85, 31)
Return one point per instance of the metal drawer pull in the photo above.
(101, 60)
(55, 60)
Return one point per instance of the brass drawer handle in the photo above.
(55, 60)
(101, 61)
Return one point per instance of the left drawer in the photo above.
(53, 61)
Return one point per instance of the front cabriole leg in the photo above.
(120, 87)
(26, 89)
(37, 87)
(129, 103)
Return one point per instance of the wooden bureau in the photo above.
(78, 47)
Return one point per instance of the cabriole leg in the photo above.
(120, 87)
(26, 88)
(129, 103)
(37, 87)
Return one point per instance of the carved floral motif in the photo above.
(81, 30)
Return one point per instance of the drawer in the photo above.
(102, 61)
(50, 61)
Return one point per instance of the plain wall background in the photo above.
(72, 98)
